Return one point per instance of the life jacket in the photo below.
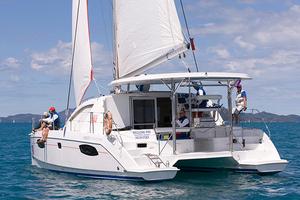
(57, 121)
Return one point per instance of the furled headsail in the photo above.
(147, 33)
(82, 59)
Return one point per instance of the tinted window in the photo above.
(143, 113)
(164, 112)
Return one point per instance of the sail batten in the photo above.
(146, 32)
(82, 59)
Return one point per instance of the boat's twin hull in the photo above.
(63, 155)
(150, 175)
(68, 158)
(229, 163)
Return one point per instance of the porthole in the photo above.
(88, 150)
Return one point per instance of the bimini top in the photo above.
(178, 77)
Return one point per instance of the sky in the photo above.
(257, 37)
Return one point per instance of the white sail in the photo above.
(82, 60)
(147, 33)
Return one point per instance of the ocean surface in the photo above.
(20, 180)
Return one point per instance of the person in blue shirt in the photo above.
(240, 103)
(53, 120)
(51, 123)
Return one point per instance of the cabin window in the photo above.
(143, 113)
(164, 112)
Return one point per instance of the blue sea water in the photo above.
(20, 180)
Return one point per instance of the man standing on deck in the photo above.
(240, 103)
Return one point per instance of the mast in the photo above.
(115, 53)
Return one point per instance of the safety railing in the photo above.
(120, 139)
(159, 135)
(260, 119)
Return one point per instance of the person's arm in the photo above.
(245, 103)
(184, 123)
(47, 120)
(51, 119)
(245, 100)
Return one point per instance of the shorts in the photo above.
(237, 110)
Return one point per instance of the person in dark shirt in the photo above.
(183, 121)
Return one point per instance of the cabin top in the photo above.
(178, 77)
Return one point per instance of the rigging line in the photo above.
(98, 89)
(189, 35)
(186, 65)
(72, 65)
(99, 86)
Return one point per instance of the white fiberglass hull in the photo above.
(261, 158)
(229, 163)
(144, 175)
(64, 155)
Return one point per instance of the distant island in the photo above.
(245, 117)
(262, 116)
(27, 118)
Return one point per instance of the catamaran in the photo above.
(142, 141)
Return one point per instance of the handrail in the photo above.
(119, 135)
(236, 138)
(253, 110)
(167, 141)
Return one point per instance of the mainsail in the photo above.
(147, 33)
(82, 61)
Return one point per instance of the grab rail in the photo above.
(256, 111)
(167, 141)
(119, 135)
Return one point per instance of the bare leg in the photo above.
(43, 125)
(45, 133)
(236, 117)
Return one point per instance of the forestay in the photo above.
(82, 62)
(147, 33)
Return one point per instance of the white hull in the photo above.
(69, 159)
(146, 175)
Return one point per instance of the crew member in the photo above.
(240, 103)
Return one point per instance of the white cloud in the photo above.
(221, 52)
(245, 45)
(277, 63)
(248, 27)
(59, 59)
(9, 63)
(53, 60)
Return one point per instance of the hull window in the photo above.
(88, 150)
